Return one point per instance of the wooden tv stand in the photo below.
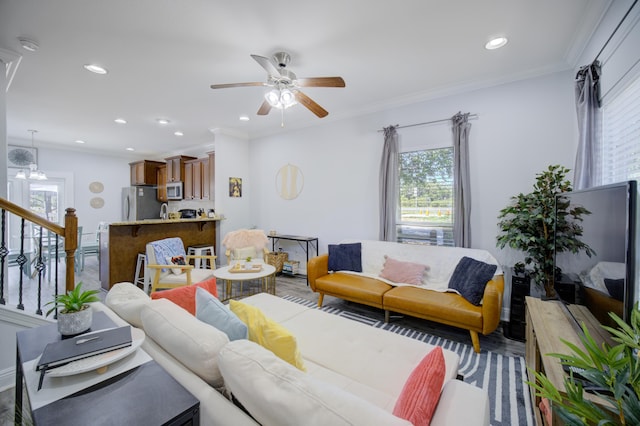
(547, 323)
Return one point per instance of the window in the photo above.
(426, 197)
(621, 136)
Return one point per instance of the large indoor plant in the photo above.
(74, 313)
(533, 224)
(613, 373)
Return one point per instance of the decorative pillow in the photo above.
(470, 278)
(275, 393)
(210, 310)
(176, 260)
(268, 333)
(191, 341)
(421, 392)
(615, 287)
(127, 300)
(403, 272)
(243, 253)
(345, 257)
(185, 296)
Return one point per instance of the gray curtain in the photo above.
(389, 185)
(461, 184)
(587, 172)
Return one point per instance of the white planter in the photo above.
(76, 322)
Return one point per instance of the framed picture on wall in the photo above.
(20, 157)
(235, 187)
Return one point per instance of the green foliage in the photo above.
(248, 259)
(614, 371)
(73, 301)
(425, 178)
(528, 224)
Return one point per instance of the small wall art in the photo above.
(21, 156)
(235, 187)
(289, 182)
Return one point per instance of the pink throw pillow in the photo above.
(421, 392)
(185, 296)
(403, 272)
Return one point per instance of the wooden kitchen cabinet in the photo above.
(196, 181)
(162, 184)
(144, 172)
(212, 175)
(188, 180)
(175, 167)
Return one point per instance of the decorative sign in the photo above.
(289, 182)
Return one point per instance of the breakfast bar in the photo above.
(121, 243)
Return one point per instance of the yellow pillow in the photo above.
(268, 333)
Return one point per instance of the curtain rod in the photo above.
(397, 126)
(606, 43)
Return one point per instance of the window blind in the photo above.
(621, 136)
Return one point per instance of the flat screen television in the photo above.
(606, 280)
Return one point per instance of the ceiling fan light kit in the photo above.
(285, 86)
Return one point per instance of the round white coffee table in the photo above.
(261, 281)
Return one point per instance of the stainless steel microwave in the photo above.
(175, 191)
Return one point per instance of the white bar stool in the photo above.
(141, 277)
(202, 250)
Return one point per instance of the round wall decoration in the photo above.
(289, 182)
(96, 202)
(96, 187)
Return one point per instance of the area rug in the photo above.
(500, 375)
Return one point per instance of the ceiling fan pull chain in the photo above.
(282, 118)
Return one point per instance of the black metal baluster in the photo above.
(3, 254)
(56, 278)
(21, 261)
(39, 310)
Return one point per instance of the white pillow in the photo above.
(189, 340)
(127, 300)
(276, 393)
(243, 253)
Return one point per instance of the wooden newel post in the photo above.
(70, 246)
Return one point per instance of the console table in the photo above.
(143, 395)
(304, 242)
(547, 323)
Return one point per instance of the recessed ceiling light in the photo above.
(178, 133)
(163, 121)
(80, 141)
(28, 44)
(495, 43)
(120, 121)
(130, 149)
(97, 69)
(244, 118)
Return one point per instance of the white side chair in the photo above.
(162, 272)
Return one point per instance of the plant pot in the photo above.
(76, 322)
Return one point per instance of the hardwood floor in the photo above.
(285, 286)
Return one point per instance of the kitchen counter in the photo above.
(121, 243)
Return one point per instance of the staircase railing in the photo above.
(69, 233)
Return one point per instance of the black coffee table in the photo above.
(145, 395)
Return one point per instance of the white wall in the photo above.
(521, 128)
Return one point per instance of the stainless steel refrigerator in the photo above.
(140, 202)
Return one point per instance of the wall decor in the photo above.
(96, 187)
(97, 202)
(21, 156)
(289, 182)
(235, 187)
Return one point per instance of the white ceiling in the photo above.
(162, 56)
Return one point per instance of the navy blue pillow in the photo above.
(615, 287)
(345, 257)
(470, 278)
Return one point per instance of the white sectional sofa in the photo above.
(368, 364)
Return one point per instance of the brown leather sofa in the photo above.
(446, 308)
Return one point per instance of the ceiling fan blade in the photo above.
(226, 86)
(321, 82)
(264, 108)
(266, 64)
(311, 105)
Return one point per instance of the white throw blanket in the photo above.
(441, 261)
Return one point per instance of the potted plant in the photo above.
(75, 314)
(532, 220)
(247, 264)
(613, 373)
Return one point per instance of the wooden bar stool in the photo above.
(202, 250)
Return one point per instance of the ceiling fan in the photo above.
(286, 86)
